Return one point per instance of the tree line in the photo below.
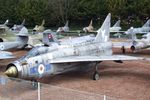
(56, 12)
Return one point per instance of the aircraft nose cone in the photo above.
(11, 71)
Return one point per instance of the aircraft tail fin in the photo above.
(6, 22)
(66, 25)
(49, 37)
(103, 33)
(43, 22)
(22, 36)
(91, 22)
(147, 24)
(23, 22)
(117, 24)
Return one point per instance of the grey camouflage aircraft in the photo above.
(141, 30)
(135, 44)
(17, 28)
(4, 27)
(79, 53)
(20, 42)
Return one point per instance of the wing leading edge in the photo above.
(94, 58)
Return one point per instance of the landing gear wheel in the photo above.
(96, 76)
(34, 84)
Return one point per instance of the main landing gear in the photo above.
(96, 74)
(34, 84)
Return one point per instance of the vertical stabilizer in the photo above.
(22, 36)
(103, 33)
(147, 24)
(6, 22)
(91, 22)
(66, 25)
(43, 22)
(117, 24)
(23, 22)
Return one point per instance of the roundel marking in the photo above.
(41, 69)
(2, 47)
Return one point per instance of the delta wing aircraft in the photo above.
(75, 54)
(135, 44)
(39, 29)
(63, 29)
(144, 29)
(17, 28)
(20, 42)
(4, 27)
(116, 27)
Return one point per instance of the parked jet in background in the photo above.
(39, 29)
(90, 28)
(144, 29)
(20, 42)
(63, 29)
(17, 28)
(4, 27)
(78, 54)
(116, 27)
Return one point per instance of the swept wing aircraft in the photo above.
(4, 27)
(141, 30)
(116, 27)
(39, 29)
(63, 29)
(75, 54)
(90, 28)
(134, 44)
(17, 28)
(20, 42)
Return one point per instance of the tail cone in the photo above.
(11, 71)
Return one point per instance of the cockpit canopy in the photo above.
(35, 52)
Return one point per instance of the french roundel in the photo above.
(41, 69)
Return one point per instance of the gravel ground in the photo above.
(127, 81)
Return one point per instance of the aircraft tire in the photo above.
(96, 76)
(34, 85)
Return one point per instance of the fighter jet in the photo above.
(4, 27)
(116, 27)
(63, 29)
(20, 42)
(137, 44)
(79, 53)
(141, 30)
(90, 28)
(17, 28)
(39, 29)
